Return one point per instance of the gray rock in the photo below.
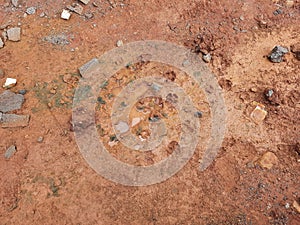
(58, 39)
(31, 10)
(10, 101)
(276, 56)
(89, 15)
(198, 114)
(15, 3)
(10, 152)
(89, 66)
(13, 120)
(22, 92)
(14, 34)
(206, 58)
(75, 8)
(1, 43)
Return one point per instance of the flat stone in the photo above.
(85, 1)
(13, 120)
(10, 101)
(14, 34)
(258, 114)
(1, 43)
(88, 67)
(268, 160)
(15, 3)
(10, 152)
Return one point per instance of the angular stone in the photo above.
(84, 1)
(10, 82)
(10, 101)
(268, 160)
(65, 14)
(258, 114)
(88, 67)
(13, 120)
(276, 56)
(76, 8)
(1, 43)
(14, 34)
(15, 3)
(10, 152)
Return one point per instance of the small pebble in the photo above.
(119, 43)
(40, 139)
(10, 152)
(198, 114)
(206, 58)
(31, 10)
(22, 92)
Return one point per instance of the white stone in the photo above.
(10, 82)
(1, 43)
(122, 127)
(14, 34)
(66, 14)
(84, 1)
(119, 43)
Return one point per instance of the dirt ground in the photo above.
(49, 182)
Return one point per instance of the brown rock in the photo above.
(296, 206)
(268, 160)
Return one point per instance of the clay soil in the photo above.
(49, 182)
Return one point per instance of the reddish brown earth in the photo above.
(51, 183)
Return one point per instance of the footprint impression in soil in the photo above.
(140, 115)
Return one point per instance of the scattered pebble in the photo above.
(10, 82)
(276, 55)
(66, 14)
(15, 3)
(258, 114)
(84, 1)
(296, 205)
(42, 14)
(135, 121)
(31, 10)
(22, 92)
(14, 34)
(10, 152)
(75, 7)
(206, 58)
(89, 15)
(119, 43)
(10, 101)
(1, 43)
(40, 139)
(198, 114)
(122, 127)
(277, 12)
(268, 160)
(95, 4)
(287, 205)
